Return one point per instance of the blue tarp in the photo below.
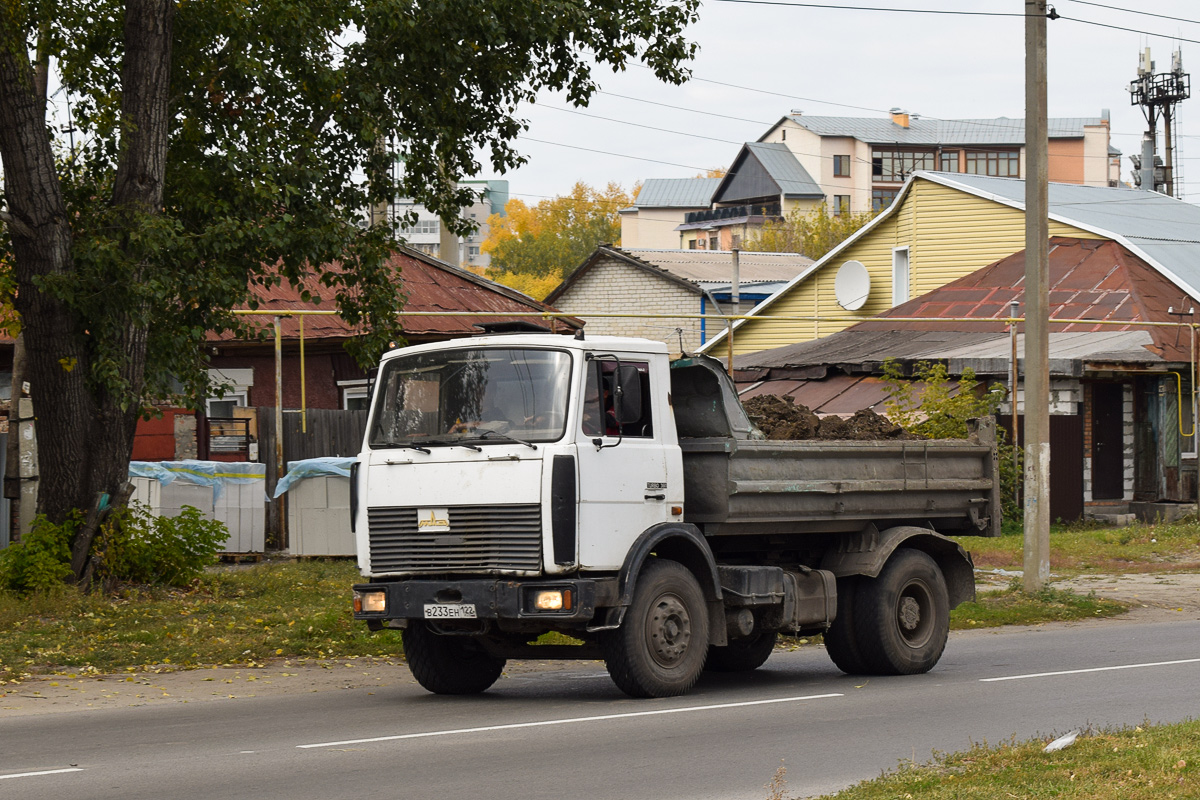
(314, 468)
(202, 473)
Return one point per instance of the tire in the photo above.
(903, 616)
(742, 655)
(840, 640)
(448, 664)
(660, 648)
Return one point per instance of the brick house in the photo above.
(687, 283)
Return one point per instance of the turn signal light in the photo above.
(370, 602)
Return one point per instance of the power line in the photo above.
(1130, 30)
(609, 153)
(1135, 11)
(640, 125)
(683, 108)
(877, 8)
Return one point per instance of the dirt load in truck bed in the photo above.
(781, 418)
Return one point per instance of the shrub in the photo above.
(135, 547)
(41, 561)
(926, 404)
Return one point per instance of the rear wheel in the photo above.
(903, 616)
(448, 664)
(660, 648)
(742, 655)
(840, 640)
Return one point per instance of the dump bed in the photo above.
(736, 482)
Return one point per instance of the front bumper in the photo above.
(492, 599)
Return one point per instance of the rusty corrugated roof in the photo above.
(1088, 279)
(428, 284)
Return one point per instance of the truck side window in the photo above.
(599, 413)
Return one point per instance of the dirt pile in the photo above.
(780, 417)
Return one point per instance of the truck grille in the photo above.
(480, 538)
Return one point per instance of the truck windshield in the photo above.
(450, 397)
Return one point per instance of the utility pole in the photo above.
(1037, 305)
(1158, 95)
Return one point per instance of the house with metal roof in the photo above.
(861, 163)
(660, 207)
(765, 182)
(1122, 424)
(626, 291)
(944, 226)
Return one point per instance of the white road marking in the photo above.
(43, 772)
(1092, 669)
(567, 721)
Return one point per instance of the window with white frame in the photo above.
(354, 398)
(231, 390)
(900, 276)
(422, 226)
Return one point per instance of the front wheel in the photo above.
(448, 664)
(659, 649)
(903, 616)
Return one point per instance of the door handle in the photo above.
(656, 497)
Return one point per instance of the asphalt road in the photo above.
(566, 732)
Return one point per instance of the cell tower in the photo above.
(1158, 95)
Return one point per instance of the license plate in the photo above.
(450, 611)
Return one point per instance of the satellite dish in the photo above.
(852, 285)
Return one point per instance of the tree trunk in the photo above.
(85, 432)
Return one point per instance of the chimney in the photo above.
(899, 117)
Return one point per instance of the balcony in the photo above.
(734, 212)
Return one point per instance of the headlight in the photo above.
(552, 600)
(370, 602)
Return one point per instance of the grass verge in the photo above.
(1160, 762)
(1011, 606)
(247, 615)
(1083, 547)
(244, 616)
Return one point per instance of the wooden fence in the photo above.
(327, 432)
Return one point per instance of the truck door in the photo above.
(622, 464)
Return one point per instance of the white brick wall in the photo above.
(614, 287)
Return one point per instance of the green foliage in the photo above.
(812, 233)
(930, 404)
(135, 547)
(243, 615)
(217, 148)
(41, 561)
(554, 237)
(1012, 606)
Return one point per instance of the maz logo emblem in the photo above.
(431, 520)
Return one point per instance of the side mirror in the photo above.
(628, 395)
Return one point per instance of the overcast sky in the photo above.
(861, 63)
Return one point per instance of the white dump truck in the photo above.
(515, 485)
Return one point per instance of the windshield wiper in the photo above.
(448, 443)
(489, 433)
(405, 445)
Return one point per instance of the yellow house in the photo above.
(943, 226)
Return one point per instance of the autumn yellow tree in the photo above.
(534, 247)
(813, 233)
